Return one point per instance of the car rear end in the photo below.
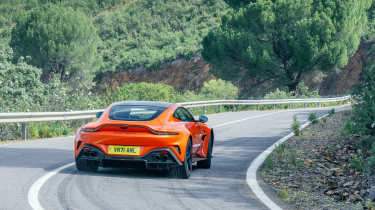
(130, 135)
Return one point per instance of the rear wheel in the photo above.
(207, 162)
(184, 171)
(87, 165)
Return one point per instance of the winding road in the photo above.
(239, 138)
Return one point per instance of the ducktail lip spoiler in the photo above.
(127, 128)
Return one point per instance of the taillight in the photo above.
(162, 132)
(128, 128)
(89, 129)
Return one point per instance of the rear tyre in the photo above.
(207, 162)
(87, 165)
(184, 171)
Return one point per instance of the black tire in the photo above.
(207, 162)
(87, 165)
(184, 171)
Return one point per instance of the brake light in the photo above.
(89, 129)
(162, 132)
(129, 128)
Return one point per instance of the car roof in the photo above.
(144, 103)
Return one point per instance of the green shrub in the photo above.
(280, 151)
(358, 162)
(269, 162)
(279, 94)
(313, 118)
(347, 129)
(219, 89)
(331, 112)
(20, 85)
(34, 131)
(299, 163)
(44, 131)
(302, 91)
(65, 130)
(284, 194)
(292, 156)
(296, 126)
(145, 92)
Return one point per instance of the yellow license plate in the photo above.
(123, 150)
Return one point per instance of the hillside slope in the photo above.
(149, 33)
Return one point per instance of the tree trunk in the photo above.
(292, 86)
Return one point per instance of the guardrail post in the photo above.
(204, 110)
(233, 108)
(24, 131)
(218, 108)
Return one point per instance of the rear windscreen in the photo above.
(135, 113)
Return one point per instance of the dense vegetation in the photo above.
(10, 10)
(60, 41)
(364, 111)
(131, 33)
(52, 49)
(148, 33)
(284, 40)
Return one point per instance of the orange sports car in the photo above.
(153, 135)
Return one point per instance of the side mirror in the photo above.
(203, 119)
(98, 114)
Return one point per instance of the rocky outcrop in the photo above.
(342, 80)
(182, 74)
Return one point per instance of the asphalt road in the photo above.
(239, 138)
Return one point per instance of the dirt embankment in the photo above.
(190, 74)
(342, 80)
(182, 74)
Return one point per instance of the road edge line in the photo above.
(33, 194)
(251, 175)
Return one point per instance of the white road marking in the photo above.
(251, 175)
(33, 195)
(248, 118)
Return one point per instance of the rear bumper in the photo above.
(154, 159)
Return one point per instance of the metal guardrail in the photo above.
(24, 117)
(264, 102)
